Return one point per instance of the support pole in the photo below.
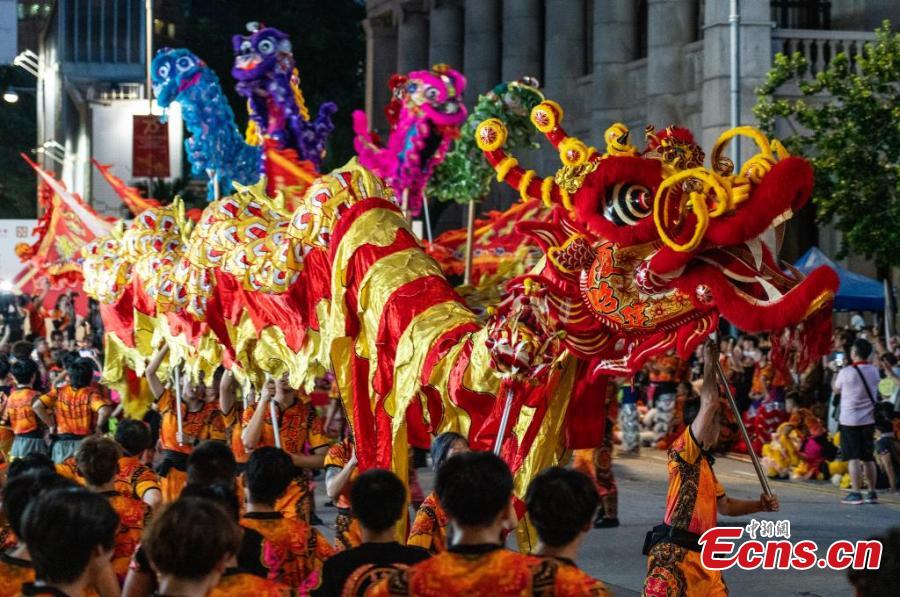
(404, 202)
(763, 480)
(178, 417)
(470, 233)
(215, 180)
(734, 20)
(276, 427)
(504, 422)
(427, 218)
(148, 48)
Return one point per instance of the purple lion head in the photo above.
(265, 50)
(438, 93)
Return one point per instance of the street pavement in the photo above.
(813, 509)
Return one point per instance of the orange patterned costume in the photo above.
(690, 506)
(133, 514)
(488, 570)
(347, 533)
(235, 583)
(14, 572)
(299, 425)
(134, 478)
(193, 424)
(293, 552)
(20, 413)
(429, 529)
(75, 411)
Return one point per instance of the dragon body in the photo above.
(424, 114)
(215, 147)
(643, 252)
(267, 76)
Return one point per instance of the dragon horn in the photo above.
(546, 117)
(490, 137)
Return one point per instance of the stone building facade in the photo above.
(638, 62)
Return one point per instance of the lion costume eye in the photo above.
(626, 204)
(184, 63)
(246, 46)
(163, 70)
(266, 46)
(432, 93)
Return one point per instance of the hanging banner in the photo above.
(150, 148)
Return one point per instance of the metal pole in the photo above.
(427, 217)
(404, 202)
(504, 421)
(178, 403)
(470, 233)
(763, 480)
(148, 33)
(888, 315)
(215, 181)
(734, 20)
(276, 429)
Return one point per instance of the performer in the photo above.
(429, 529)
(298, 425)
(175, 447)
(695, 496)
(19, 412)
(74, 411)
(665, 373)
(340, 473)
(135, 479)
(597, 464)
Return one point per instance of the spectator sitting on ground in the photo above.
(70, 535)
(561, 506)
(378, 501)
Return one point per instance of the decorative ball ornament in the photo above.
(572, 152)
(546, 116)
(490, 135)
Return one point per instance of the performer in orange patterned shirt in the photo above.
(291, 545)
(98, 463)
(475, 490)
(561, 506)
(429, 529)
(340, 473)
(232, 413)
(73, 411)
(175, 447)
(694, 498)
(19, 412)
(135, 479)
(299, 425)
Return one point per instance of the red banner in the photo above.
(150, 148)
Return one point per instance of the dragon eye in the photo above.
(184, 63)
(411, 88)
(431, 93)
(163, 70)
(626, 204)
(266, 46)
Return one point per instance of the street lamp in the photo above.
(10, 96)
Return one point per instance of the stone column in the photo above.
(446, 34)
(670, 26)
(412, 38)
(481, 55)
(756, 60)
(523, 39)
(564, 48)
(614, 47)
(381, 63)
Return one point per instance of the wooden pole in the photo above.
(470, 233)
(178, 402)
(763, 479)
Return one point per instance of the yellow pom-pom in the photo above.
(546, 192)
(490, 135)
(523, 185)
(546, 116)
(572, 151)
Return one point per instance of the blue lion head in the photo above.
(173, 71)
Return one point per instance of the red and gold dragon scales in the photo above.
(644, 251)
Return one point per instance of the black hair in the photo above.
(24, 371)
(690, 410)
(863, 348)
(440, 447)
(561, 504)
(81, 372)
(97, 458)
(35, 461)
(378, 499)
(267, 474)
(56, 334)
(134, 437)
(21, 350)
(875, 582)
(23, 489)
(224, 495)
(212, 462)
(474, 488)
(62, 528)
(5, 367)
(890, 357)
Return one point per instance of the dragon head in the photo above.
(173, 71)
(648, 247)
(265, 50)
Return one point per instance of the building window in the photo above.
(801, 14)
(640, 30)
(588, 24)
